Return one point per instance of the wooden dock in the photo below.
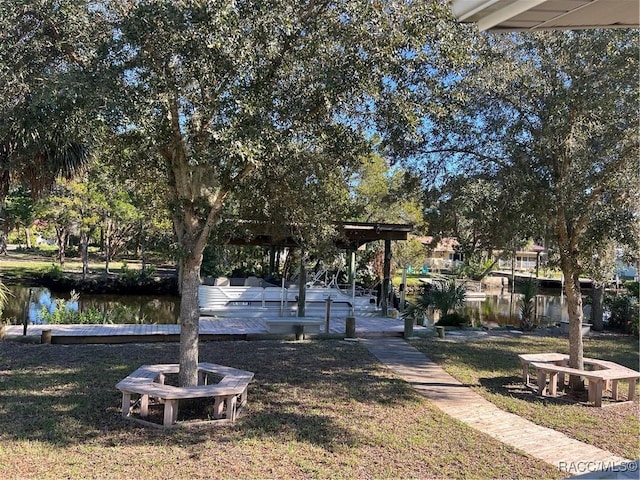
(210, 329)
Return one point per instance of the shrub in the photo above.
(5, 293)
(54, 271)
(443, 295)
(124, 314)
(454, 319)
(446, 296)
(623, 312)
(129, 276)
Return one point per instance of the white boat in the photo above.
(253, 300)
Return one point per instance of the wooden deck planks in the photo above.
(208, 326)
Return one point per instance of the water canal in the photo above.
(29, 302)
(497, 309)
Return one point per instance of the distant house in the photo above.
(525, 260)
(444, 255)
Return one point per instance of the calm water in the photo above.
(499, 309)
(504, 309)
(496, 309)
(161, 309)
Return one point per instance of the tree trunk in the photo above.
(574, 308)
(61, 235)
(27, 233)
(189, 320)
(84, 245)
(106, 233)
(143, 254)
(597, 307)
(386, 278)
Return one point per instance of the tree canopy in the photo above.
(267, 106)
(47, 49)
(552, 117)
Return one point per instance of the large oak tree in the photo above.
(277, 97)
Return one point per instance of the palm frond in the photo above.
(5, 293)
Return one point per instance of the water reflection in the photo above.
(504, 309)
(161, 309)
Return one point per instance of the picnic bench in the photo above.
(148, 381)
(602, 375)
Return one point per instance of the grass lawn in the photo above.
(493, 369)
(20, 264)
(323, 409)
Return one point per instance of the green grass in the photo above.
(322, 409)
(25, 265)
(493, 369)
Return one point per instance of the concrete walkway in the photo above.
(462, 403)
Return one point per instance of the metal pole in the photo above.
(283, 295)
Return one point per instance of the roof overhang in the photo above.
(351, 235)
(528, 15)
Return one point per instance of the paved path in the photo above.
(464, 404)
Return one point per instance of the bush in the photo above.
(123, 314)
(132, 277)
(453, 320)
(623, 313)
(62, 314)
(633, 288)
(54, 271)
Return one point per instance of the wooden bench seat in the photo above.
(288, 325)
(596, 378)
(527, 358)
(148, 382)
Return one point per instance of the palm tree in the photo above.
(38, 163)
(419, 308)
(529, 290)
(443, 295)
(447, 296)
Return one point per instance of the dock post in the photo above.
(327, 316)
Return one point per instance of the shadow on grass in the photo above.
(315, 429)
(494, 363)
(65, 394)
(514, 388)
(501, 354)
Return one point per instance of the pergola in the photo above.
(351, 236)
(531, 15)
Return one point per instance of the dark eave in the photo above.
(351, 235)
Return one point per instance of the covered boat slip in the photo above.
(257, 301)
(350, 237)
